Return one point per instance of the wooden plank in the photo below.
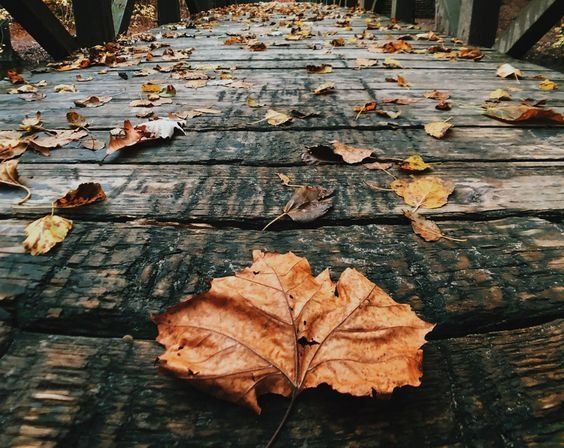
(478, 21)
(106, 278)
(534, 21)
(168, 11)
(501, 388)
(94, 22)
(403, 10)
(121, 12)
(251, 195)
(42, 25)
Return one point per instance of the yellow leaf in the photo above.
(425, 192)
(500, 94)
(151, 88)
(414, 163)
(44, 233)
(547, 84)
(277, 118)
(437, 129)
(507, 70)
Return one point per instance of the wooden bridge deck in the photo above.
(183, 212)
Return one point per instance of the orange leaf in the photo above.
(275, 328)
(85, 194)
(522, 112)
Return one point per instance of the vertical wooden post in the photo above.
(447, 14)
(94, 21)
(44, 27)
(535, 20)
(404, 10)
(122, 11)
(168, 11)
(477, 24)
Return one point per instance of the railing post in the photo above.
(477, 24)
(168, 11)
(404, 10)
(122, 11)
(447, 14)
(94, 21)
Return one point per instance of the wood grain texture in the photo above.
(107, 278)
(56, 386)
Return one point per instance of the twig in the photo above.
(273, 221)
(284, 419)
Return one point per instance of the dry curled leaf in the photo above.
(252, 102)
(425, 228)
(32, 124)
(438, 129)
(275, 328)
(275, 118)
(93, 101)
(547, 84)
(11, 145)
(85, 194)
(76, 120)
(414, 163)
(26, 88)
(65, 88)
(325, 88)
(44, 233)
(507, 70)
(9, 176)
(351, 154)
(364, 63)
(14, 77)
(425, 192)
(392, 63)
(319, 69)
(522, 112)
(436, 95)
(145, 132)
(500, 95)
(55, 139)
(382, 166)
(150, 87)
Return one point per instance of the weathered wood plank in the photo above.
(106, 278)
(42, 25)
(502, 388)
(231, 193)
(534, 21)
(474, 145)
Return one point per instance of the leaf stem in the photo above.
(270, 443)
(273, 221)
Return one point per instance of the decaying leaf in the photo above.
(425, 192)
(275, 118)
(436, 95)
(414, 163)
(364, 63)
(443, 105)
(32, 124)
(9, 176)
(253, 102)
(523, 112)
(319, 69)
(393, 114)
(392, 63)
(26, 88)
(547, 84)
(44, 233)
(93, 101)
(76, 120)
(85, 194)
(275, 328)
(500, 95)
(381, 166)
(145, 132)
(325, 88)
(425, 228)
(351, 154)
(286, 181)
(80, 78)
(11, 145)
(55, 139)
(507, 70)
(438, 129)
(400, 80)
(65, 88)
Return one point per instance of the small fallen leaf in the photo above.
(392, 63)
(253, 103)
(80, 78)
(425, 228)
(319, 69)
(32, 124)
(14, 77)
(364, 63)
(256, 46)
(325, 88)
(470, 53)
(151, 88)
(76, 120)
(85, 194)
(55, 139)
(9, 176)
(27, 88)
(523, 112)
(378, 166)
(65, 88)
(507, 70)
(425, 192)
(93, 101)
(443, 105)
(92, 143)
(145, 132)
(339, 42)
(29, 97)
(436, 95)
(275, 118)
(500, 95)
(438, 129)
(351, 154)
(11, 145)
(414, 163)
(389, 113)
(547, 84)
(44, 233)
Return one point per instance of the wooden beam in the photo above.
(121, 12)
(194, 7)
(536, 19)
(42, 25)
(477, 24)
(8, 57)
(403, 10)
(447, 14)
(94, 21)
(168, 11)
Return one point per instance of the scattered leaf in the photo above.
(27, 88)
(438, 129)
(80, 78)
(364, 63)
(389, 113)
(500, 95)
(11, 145)
(55, 139)
(547, 84)
(9, 176)
(325, 88)
(507, 70)
(93, 101)
(414, 163)
(92, 143)
(436, 95)
(319, 69)
(425, 192)
(351, 154)
(523, 112)
(277, 118)
(392, 63)
(65, 88)
(32, 124)
(44, 233)
(76, 120)
(146, 132)
(151, 88)
(196, 83)
(382, 166)
(425, 228)
(85, 194)
(292, 332)
(14, 77)
(253, 102)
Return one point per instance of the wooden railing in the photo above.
(474, 21)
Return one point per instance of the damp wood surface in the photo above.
(182, 212)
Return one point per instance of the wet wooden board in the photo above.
(254, 195)
(108, 277)
(55, 385)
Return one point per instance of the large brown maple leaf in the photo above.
(275, 328)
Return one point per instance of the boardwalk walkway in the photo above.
(180, 213)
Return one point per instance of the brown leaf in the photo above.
(93, 101)
(338, 42)
(507, 70)
(65, 88)
(76, 120)
(92, 143)
(378, 166)
(55, 139)
(32, 124)
(425, 192)
(309, 203)
(9, 176)
(471, 53)
(438, 129)
(319, 69)
(364, 63)
(325, 88)
(500, 95)
(11, 145)
(142, 133)
(281, 330)
(547, 85)
(522, 112)
(14, 77)
(425, 228)
(44, 233)
(85, 194)
(414, 163)
(436, 95)
(443, 105)
(275, 118)
(351, 154)
(392, 63)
